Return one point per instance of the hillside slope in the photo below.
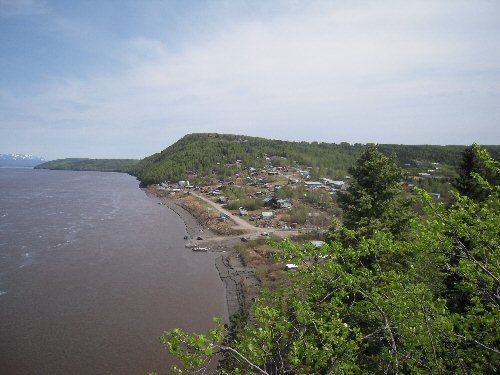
(101, 165)
(198, 157)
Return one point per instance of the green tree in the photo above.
(473, 164)
(466, 238)
(374, 200)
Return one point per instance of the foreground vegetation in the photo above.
(390, 292)
(101, 165)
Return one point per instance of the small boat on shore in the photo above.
(197, 248)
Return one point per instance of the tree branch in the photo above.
(478, 343)
(387, 327)
(229, 349)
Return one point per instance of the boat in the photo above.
(197, 248)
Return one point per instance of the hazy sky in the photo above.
(129, 78)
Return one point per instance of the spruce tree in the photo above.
(466, 182)
(375, 200)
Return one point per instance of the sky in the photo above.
(126, 79)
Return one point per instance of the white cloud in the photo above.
(385, 72)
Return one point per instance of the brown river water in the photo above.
(92, 271)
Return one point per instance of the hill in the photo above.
(204, 157)
(82, 164)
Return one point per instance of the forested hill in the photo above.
(204, 156)
(81, 164)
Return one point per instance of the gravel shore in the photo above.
(241, 282)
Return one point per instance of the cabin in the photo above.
(267, 215)
(314, 184)
(284, 203)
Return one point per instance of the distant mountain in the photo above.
(19, 160)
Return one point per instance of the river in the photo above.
(92, 271)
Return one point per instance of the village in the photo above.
(273, 197)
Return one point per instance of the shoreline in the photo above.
(240, 282)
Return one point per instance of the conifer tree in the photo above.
(375, 200)
(467, 182)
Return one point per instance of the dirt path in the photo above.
(240, 223)
(252, 231)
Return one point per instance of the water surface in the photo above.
(91, 273)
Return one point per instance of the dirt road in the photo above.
(240, 223)
(251, 232)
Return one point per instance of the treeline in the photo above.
(212, 156)
(82, 164)
(208, 157)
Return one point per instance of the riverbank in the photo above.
(240, 281)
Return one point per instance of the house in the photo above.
(243, 212)
(277, 203)
(334, 183)
(182, 184)
(436, 195)
(303, 174)
(267, 215)
(313, 184)
(284, 203)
